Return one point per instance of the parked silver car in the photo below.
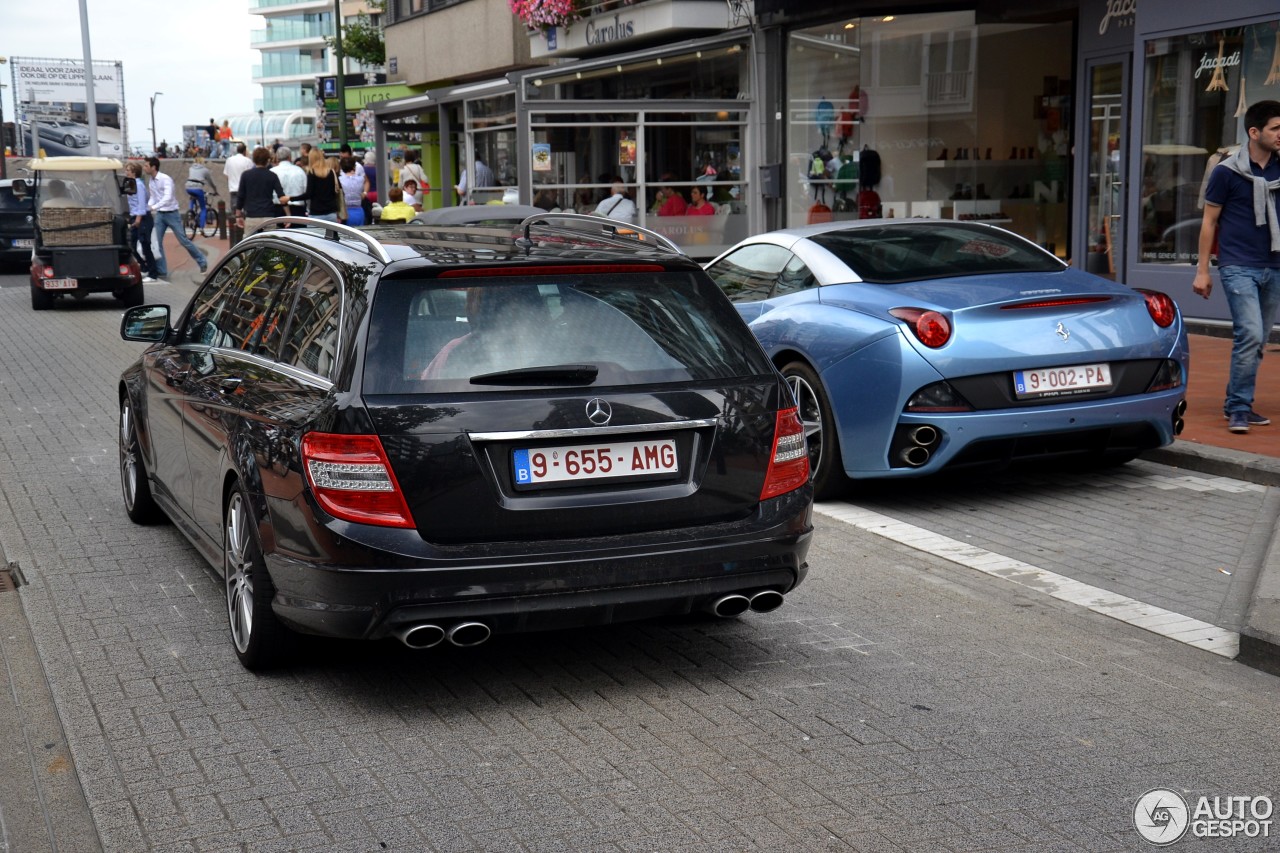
(68, 133)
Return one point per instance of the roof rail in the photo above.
(332, 231)
(598, 226)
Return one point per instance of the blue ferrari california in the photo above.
(915, 345)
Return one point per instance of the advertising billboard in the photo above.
(50, 94)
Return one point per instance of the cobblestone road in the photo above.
(896, 702)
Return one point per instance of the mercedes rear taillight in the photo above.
(789, 461)
(352, 479)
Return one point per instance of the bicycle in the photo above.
(191, 219)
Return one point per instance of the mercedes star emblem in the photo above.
(598, 411)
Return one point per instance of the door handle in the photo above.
(176, 378)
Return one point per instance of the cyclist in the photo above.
(200, 180)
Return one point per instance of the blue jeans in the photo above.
(140, 242)
(169, 219)
(203, 201)
(1253, 293)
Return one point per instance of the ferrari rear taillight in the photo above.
(789, 461)
(931, 328)
(352, 479)
(1160, 306)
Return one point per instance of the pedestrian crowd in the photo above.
(266, 182)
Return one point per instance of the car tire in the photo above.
(133, 295)
(69, 141)
(41, 300)
(139, 504)
(825, 465)
(260, 640)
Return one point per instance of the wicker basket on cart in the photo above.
(75, 226)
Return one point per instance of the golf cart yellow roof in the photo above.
(74, 164)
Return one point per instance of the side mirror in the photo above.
(129, 186)
(20, 188)
(148, 324)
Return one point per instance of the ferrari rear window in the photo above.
(448, 335)
(894, 253)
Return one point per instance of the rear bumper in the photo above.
(544, 590)
(1114, 425)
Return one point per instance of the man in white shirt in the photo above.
(292, 179)
(236, 165)
(617, 206)
(164, 209)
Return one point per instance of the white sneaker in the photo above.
(146, 279)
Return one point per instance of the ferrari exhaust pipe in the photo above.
(1178, 425)
(422, 635)
(468, 634)
(727, 606)
(766, 600)
(914, 456)
(923, 436)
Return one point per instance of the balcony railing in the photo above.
(290, 67)
(272, 4)
(278, 31)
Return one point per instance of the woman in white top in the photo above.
(353, 189)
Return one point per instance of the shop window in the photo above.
(1197, 88)
(668, 161)
(931, 115)
(493, 168)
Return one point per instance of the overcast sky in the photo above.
(196, 53)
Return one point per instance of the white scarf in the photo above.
(1264, 192)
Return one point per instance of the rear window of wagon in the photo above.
(440, 335)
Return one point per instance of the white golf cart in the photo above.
(82, 230)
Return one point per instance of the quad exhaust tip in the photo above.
(766, 600)
(421, 636)
(727, 606)
(914, 456)
(737, 603)
(923, 435)
(425, 635)
(466, 634)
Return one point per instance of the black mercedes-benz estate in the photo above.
(442, 433)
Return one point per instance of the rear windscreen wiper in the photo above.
(555, 374)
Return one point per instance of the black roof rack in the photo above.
(595, 231)
(331, 230)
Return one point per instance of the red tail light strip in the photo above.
(553, 269)
(1057, 303)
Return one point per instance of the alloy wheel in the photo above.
(128, 456)
(238, 566)
(810, 410)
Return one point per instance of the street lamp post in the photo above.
(153, 122)
(262, 129)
